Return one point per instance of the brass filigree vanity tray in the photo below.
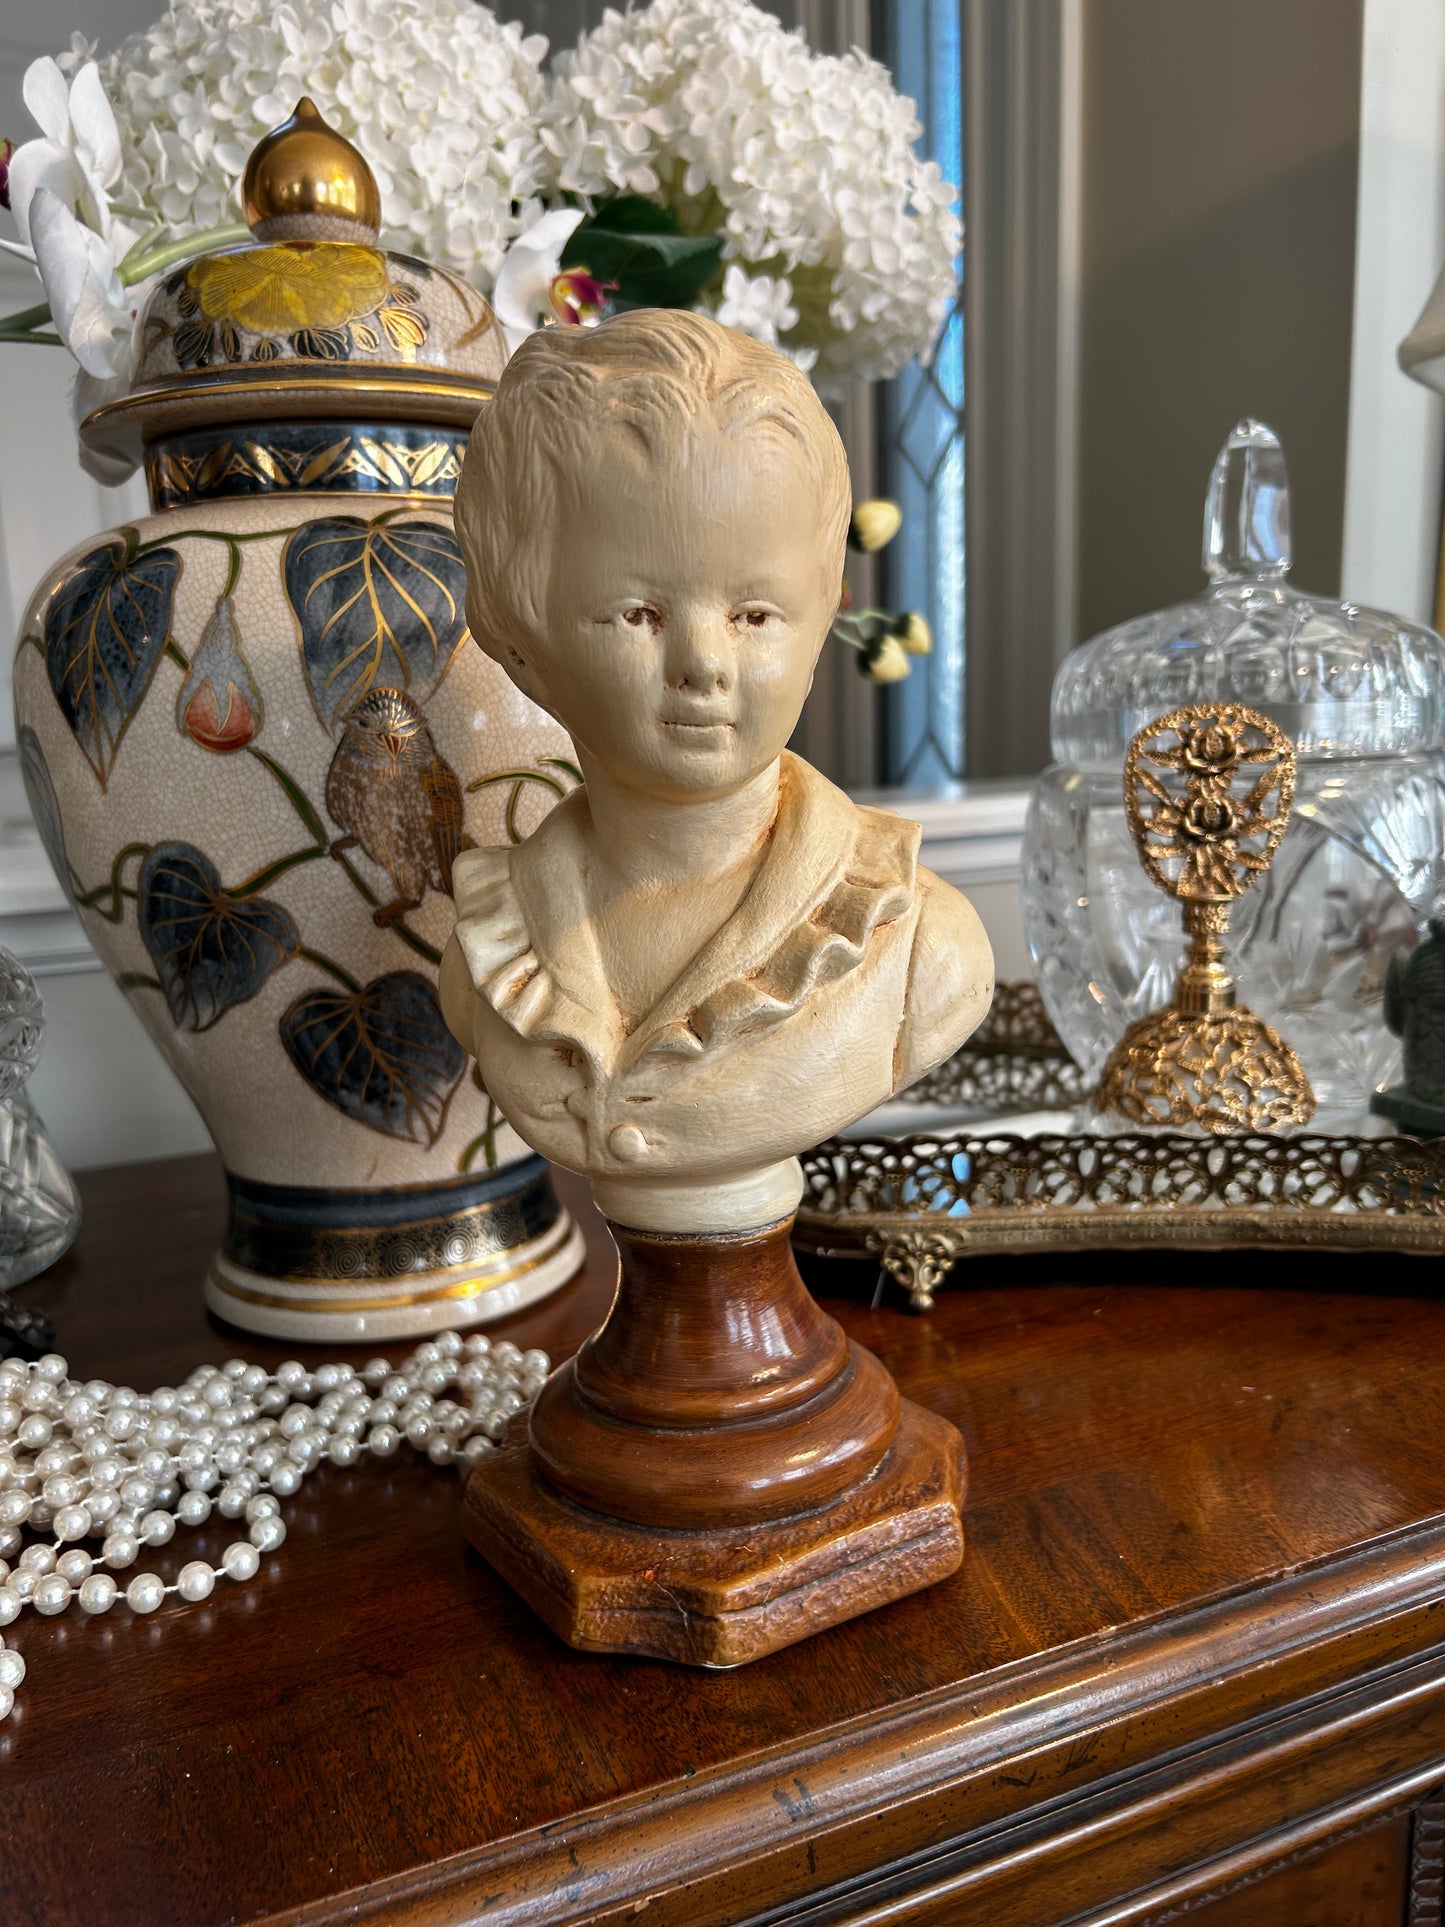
(1207, 792)
(920, 1203)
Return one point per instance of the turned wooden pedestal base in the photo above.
(722, 1598)
(719, 1472)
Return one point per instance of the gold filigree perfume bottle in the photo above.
(1207, 793)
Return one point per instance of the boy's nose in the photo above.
(701, 659)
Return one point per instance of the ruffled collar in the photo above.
(834, 874)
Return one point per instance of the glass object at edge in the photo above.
(39, 1209)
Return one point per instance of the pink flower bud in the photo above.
(219, 706)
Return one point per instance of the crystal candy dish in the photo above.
(1362, 696)
(39, 1209)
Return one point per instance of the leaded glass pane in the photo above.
(923, 435)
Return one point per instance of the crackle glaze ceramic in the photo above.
(255, 733)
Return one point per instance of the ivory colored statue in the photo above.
(705, 959)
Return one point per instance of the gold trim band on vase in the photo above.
(123, 428)
(271, 458)
(303, 1236)
(430, 383)
(332, 1295)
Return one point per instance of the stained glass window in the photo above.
(923, 434)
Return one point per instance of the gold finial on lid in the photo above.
(306, 182)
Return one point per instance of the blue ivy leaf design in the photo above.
(210, 951)
(105, 631)
(381, 1054)
(376, 603)
(44, 804)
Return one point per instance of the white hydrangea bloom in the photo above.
(760, 305)
(804, 163)
(442, 100)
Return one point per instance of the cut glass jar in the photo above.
(1362, 696)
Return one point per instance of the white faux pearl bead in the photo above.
(266, 1534)
(195, 1581)
(145, 1593)
(241, 1561)
(109, 1463)
(194, 1508)
(52, 1594)
(121, 1549)
(72, 1522)
(12, 1668)
(14, 1507)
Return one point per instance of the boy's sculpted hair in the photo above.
(651, 374)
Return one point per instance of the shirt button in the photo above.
(627, 1144)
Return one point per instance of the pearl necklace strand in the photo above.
(99, 1461)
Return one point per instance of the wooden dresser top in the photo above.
(1203, 1489)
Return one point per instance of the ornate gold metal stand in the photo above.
(1206, 1060)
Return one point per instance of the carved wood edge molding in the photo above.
(1426, 1897)
(1316, 1836)
(1427, 1863)
(945, 1764)
(1315, 1778)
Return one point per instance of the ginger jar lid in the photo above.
(311, 320)
(1341, 681)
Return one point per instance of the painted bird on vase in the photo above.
(396, 795)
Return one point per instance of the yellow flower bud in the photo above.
(885, 661)
(874, 524)
(913, 632)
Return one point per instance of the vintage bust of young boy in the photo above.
(707, 958)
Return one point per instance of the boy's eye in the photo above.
(642, 617)
(756, 618)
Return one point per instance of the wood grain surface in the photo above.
(1195, 1645)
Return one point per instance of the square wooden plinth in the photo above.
(722, 1598)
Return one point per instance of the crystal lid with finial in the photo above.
(311, 316)
(1340, 681)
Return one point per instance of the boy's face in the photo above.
(686, 609)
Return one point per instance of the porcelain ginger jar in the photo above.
(1360, 694)
(255, 734)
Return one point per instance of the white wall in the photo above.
(1397, 428)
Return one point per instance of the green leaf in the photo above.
(627, 214)
(638, 245)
